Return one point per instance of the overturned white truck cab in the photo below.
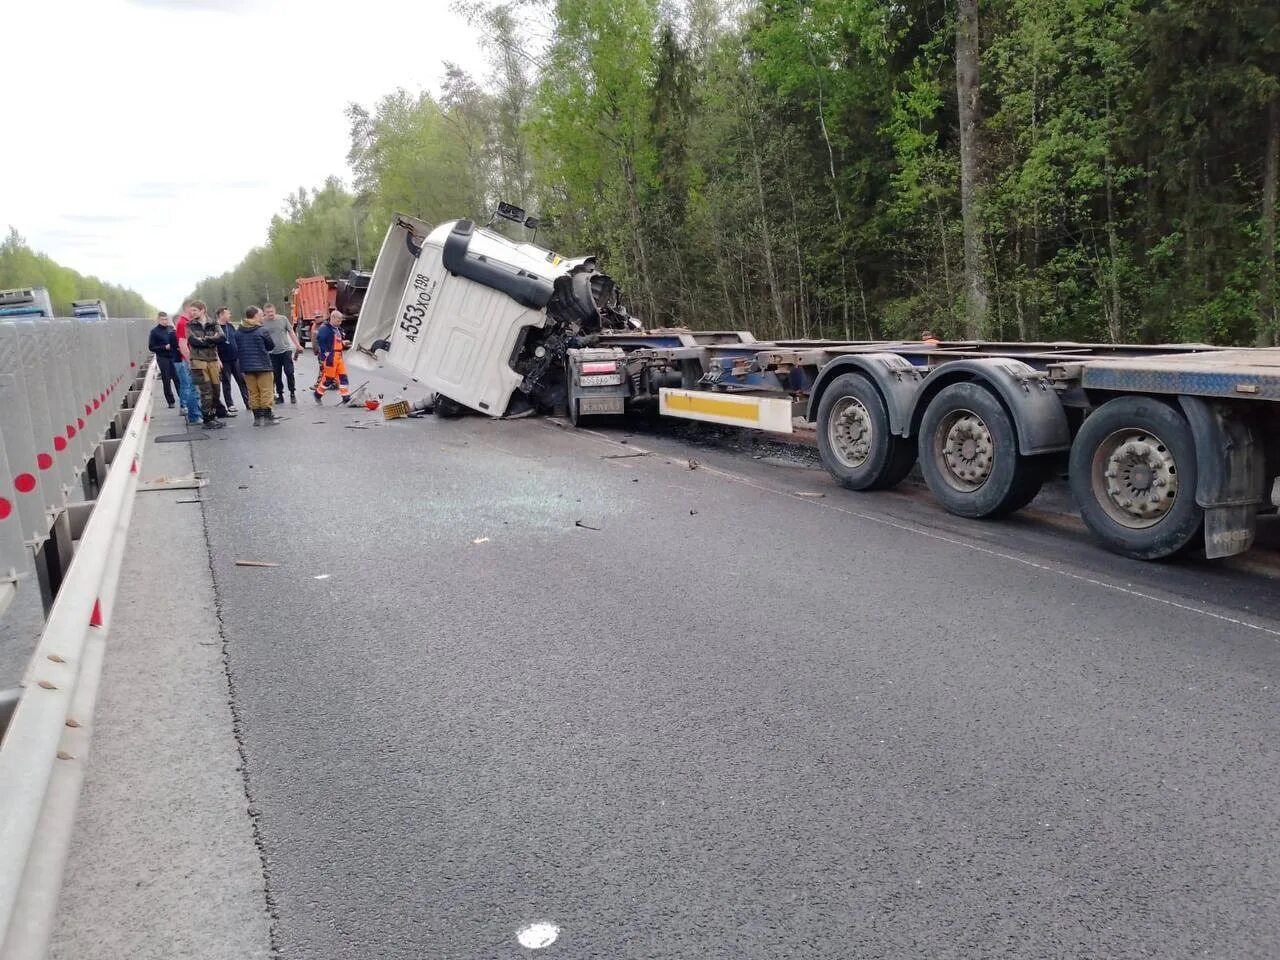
(481, 320)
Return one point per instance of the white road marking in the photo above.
(538, 935)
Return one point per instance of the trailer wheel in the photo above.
(854, 438)
(969, 454)
(1133, 475)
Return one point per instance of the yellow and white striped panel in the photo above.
(733, 409)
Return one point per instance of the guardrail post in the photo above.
(52, 559)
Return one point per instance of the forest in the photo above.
(1092, 170)
(20, 266)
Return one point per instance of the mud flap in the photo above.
(1230, 470)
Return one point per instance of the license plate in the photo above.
(600, 380)
(589, 406)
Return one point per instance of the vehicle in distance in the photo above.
(25, 303)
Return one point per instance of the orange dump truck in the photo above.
(313, 298)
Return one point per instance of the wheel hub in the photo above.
(851, 432)
(1141, 478)
(967, 448)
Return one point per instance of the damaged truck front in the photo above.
(489, 323)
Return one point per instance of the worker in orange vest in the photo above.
(329, 346)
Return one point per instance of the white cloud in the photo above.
(158, 137)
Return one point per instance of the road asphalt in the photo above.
(672, 701)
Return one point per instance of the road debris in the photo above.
(693, 464)
(625, 456)
(586, 526)
(256, 563)
(808, 494)
(321, 576)
(480, 540)
(190, 482)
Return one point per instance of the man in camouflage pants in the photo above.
(203, 336)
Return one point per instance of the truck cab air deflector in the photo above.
(524, 288)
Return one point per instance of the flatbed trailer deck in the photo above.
(1186, 447)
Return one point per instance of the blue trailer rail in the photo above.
(1167, 447)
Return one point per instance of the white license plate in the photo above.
(600, 380)
(590, 406)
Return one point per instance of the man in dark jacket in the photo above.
(203, 337)
(164, 344)
(229, 357)
(256, 346)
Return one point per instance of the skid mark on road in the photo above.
(1053, 569)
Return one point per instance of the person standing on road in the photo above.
(163, 342)
(287, 349)
(228, 356)
(187, 392)
(329, 345)
(203, 337)
(257, 349)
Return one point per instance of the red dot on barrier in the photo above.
(59, 444)
(6, 508)
(80, 421)
(134, 468)
(96, 404)
(88, 412)
(71, 431)
(24, 483)
(102, 398)
(133, 365)
(44, 461)
(95, 618)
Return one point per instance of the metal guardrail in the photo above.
(75, 401)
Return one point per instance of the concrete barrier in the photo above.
(74, 396)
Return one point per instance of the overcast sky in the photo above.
(149, 142)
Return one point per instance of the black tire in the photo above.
(968, 450)
(850, 409)
(1148, 509)
(447, 409)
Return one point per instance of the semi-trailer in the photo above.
(1166, 447)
